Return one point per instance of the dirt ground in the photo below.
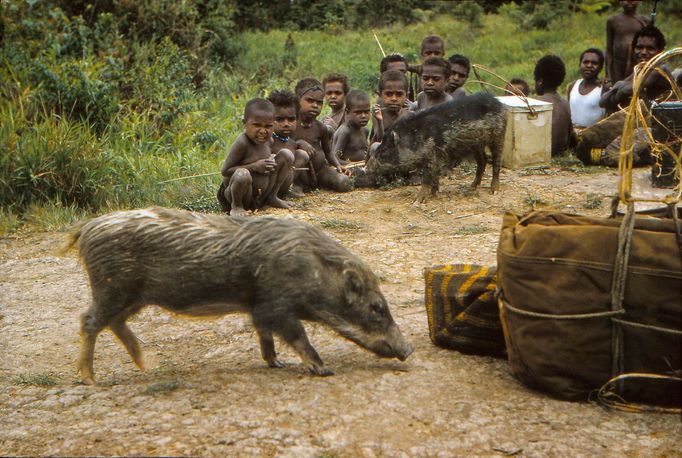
(206, 391)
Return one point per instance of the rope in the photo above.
(577, 316)
(647, 326)
(608, 398)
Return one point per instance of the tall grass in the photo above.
(167, 131)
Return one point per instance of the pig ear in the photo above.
(353, 283)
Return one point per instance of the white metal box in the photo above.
(528, 139)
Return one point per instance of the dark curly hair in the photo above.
(337, 77)
(460, 60)
(395, 57)
(284, 98)
(354, 97)
(257, 104)
(652, 32)
(596, 51)
(551, 70)
(392, 75)
(439, 62)
(307, 84)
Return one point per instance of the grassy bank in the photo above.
(55, 168)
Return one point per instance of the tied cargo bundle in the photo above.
(462, 309)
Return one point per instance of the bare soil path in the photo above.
(206, 392)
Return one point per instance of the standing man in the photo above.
(620, 29)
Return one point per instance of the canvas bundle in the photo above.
(576, 314)
(462, 309)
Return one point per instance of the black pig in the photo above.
(279, 271)
(436, 139)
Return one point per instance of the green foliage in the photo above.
(44, 380)
(535, 15)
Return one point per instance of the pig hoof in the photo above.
(276, 364)
(88, 381)
(321, 371)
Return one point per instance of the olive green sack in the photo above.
(555, 273)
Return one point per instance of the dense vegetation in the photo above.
(102, 102)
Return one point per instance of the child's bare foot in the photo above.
(276, 202)
(238, 211)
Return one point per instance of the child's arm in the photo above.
(377, 124)
(340, 141)
(235, 160)
(325, 141)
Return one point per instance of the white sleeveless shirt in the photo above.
(585, 109)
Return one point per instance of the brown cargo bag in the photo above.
(572, 322)
(462, 309)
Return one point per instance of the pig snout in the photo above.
(392, 345)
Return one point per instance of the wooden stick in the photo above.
(191, 176)
(379, 43)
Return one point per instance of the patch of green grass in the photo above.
(9, 222)
(341, 224)
(532, 200)
(163, 387)
(52, 216)
(472, 229)
(34, 380)
(592, 201)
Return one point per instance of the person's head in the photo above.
(432, 46)
(310, 96)
(357, 107)
(549, 73)
(335, 87)
(460, 67)
(518, 85)
(646, 43)
(286, 111)
(393, 90)
(393, 61)
(629, 6)
(591, 63)
(259, 116)
(435, 75)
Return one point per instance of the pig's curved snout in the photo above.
(407, 351)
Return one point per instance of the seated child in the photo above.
(549, 73)
(393, 61)
(335, 86)
(517, 86)
(286, 113)
(460, 67)
(350, 140)
(328, 172)
(432, 46)
(252, 175)
(392, 95)
(435, 75)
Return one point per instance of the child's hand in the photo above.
(307, 147)
(264, 166)
(343, 170)
(377, 112)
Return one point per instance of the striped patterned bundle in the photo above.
(462, 309)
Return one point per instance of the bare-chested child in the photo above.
(350, 140)
(335, 86)
(460, 67)
(328, 171)
(549, 73)
(286, 114)
(620, 29)
(252, 175)
(432, 46)
(435, 75)
(392, 94)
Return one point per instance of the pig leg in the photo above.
(128, 339)
(480, 167)
(496, 150)
(92, 324)
(292, 332)
(267, 348)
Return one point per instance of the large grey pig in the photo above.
(279, 271)
(436, 139)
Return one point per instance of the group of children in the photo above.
(286, 150)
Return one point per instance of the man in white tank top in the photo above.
(584, 94)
